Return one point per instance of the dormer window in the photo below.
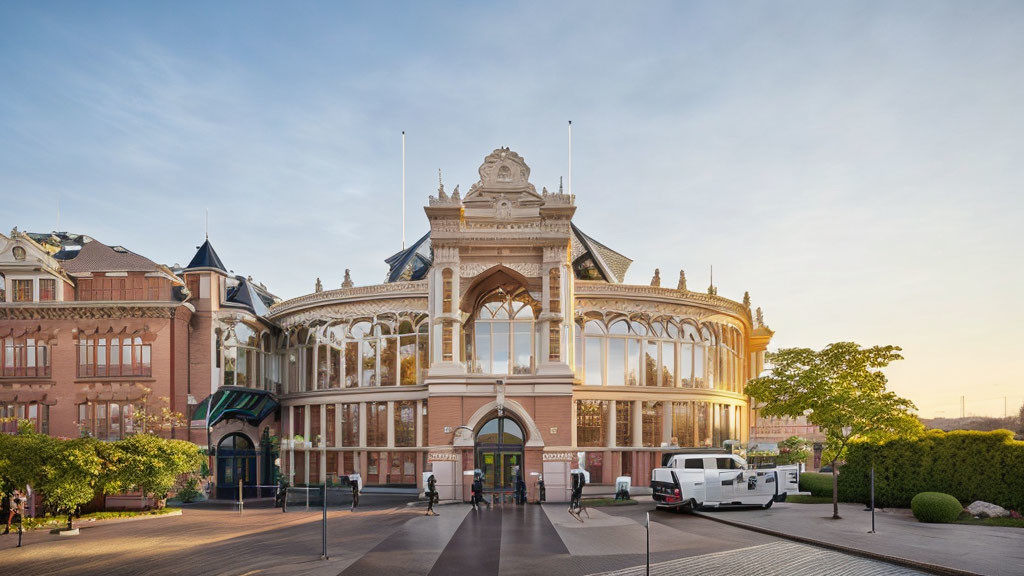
(47, 289)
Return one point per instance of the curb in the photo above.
(923, 566)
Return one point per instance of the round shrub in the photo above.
(817, 484)
(936, 507)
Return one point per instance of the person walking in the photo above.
(16, 514)
(431, 496)
(477, 491)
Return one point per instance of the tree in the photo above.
(793, 450)
(153, 464)
(1020, 422)
(70, 475)
(842, 390)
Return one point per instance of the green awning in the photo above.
(228, 402)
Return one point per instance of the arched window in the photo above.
(503, 334)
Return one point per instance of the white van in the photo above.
(718, 480)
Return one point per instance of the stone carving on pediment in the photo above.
(558, 254)
(446, 254)
(350, 310)
(444, 224)
(503, 171)
(472, 269)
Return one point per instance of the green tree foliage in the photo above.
(793, 450)
(968, 465)
(70, 474)
(842, 390)
(153, 464)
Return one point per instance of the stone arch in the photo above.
(490, 280)
(511, 408)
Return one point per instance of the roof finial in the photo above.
(440, 187)
(746, 301)
(711, 288)
(656, 280)
(760, 318)
(682, 282)
(559, 184)
(347, 283)
(207, 223)
(319, 286)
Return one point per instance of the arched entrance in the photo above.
(499, 454)
(236, 460)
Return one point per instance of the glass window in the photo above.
(595, 361)
(350, 425)
(405, 424)
(616, 361)
(694, 463)
(407, 363)
(351, 364)
(704, 433)
(682, 424)
(22, 290)
(668, 363)
(522, 347)
(47, 289)
(423, 350)
(335, 378)
(376, 424)
(652, 423)
(633, 363)
(389, 361)
(369, 362)
(651, 363)
(623, 423)
(503, 335)
(591, 422)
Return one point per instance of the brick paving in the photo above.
(386, 536)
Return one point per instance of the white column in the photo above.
(419, 422)
(637, 413)
(612, 418)
(323, 442)
(362, 424)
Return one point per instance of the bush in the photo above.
(936, 507)
(968, 465)
(189, 489)
(816, 484)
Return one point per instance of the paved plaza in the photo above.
(387, 536)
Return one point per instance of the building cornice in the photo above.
(714, 303)
(418, 288)
(87, 310)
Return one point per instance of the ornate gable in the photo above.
(505, 178)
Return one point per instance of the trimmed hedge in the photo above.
(817, 484)
(968, 465)
(936, 507)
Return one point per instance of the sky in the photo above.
(855, 166)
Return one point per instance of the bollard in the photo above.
(323, 556)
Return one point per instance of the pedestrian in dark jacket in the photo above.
(477, 492)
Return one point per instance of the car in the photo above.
(691, 481)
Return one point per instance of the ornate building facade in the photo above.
(504, 340)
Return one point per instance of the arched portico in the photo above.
(465, 438)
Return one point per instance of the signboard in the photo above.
(442, 457)
(556, 456)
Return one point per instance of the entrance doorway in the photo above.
(236, 460)
(499, 455)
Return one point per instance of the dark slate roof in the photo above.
(206, 257)
(245, 293)
(612, 264)
(413, 263)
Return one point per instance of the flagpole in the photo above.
(570, 158)
(403, 189)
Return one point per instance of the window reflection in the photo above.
(503, 335)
